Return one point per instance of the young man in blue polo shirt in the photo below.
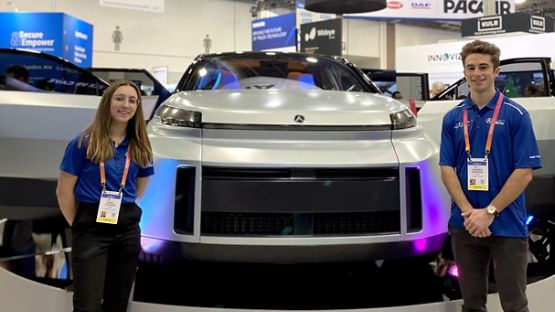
(488, 152)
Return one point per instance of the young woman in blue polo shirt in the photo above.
(103, 172)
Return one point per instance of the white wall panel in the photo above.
(363, 37)
(407, 35)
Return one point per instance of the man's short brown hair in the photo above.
(481, 47)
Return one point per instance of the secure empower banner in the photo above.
(57, 34)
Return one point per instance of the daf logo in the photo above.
(299, 118)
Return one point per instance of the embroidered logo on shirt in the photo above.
(499, 122)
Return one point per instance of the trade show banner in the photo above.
(275, 33)
(442, 61)
(500, 24)
(78, 41)
(57, 34)
(435, 9)
(322, 37)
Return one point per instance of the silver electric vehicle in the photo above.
(286, 157)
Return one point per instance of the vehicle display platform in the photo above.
(21, 295)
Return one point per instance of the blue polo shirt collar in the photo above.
(468, 104)
(125, 142)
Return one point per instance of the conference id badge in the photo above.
(478, 174)
(108, 209)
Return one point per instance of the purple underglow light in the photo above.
(529, 219)
(453, 271)
(435, 208)
(419, 245)
(150, 245)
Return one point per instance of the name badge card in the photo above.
(478, 174)
(108, 209)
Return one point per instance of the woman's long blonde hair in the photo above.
(97, 136)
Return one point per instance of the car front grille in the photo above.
(287, 224)
(291, 201)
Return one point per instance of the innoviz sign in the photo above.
(57, 34)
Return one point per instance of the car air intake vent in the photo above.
(247, 223)
(299, 224)
(356, 223)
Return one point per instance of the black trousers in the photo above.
(104, 258)
(510, 256)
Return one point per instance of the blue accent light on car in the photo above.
(217, 83)
(155, 218)
(529, 219)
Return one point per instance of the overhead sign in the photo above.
(57, 34)
(435, 9)
(322, 37)
(500, 24)
(274, 33)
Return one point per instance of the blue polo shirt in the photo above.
(88, 187)
(513, 146)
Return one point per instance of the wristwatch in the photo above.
(492, 210)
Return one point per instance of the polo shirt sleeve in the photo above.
(447, 155)
(525, 147)
(146, 171)
(74, 157)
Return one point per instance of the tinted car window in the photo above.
(523, 79)
(48, 74)
(261, 71)
(141, 79)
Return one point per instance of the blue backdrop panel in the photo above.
(54, 33)
(274, 32)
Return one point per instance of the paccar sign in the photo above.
(474, 7)
(517, 22)
(436, 9)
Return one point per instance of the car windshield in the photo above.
(273, 71)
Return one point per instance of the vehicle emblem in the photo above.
(299, 118)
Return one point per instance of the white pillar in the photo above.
(489, 7)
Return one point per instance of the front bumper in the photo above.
(298, 197)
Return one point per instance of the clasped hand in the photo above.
(477, 222)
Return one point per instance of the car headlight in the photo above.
(180, 117)
(402, 119)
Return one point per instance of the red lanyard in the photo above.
(491, 127)
(125, 171)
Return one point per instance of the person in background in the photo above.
(17, 79)
(105, 169)
(18, 72)
(487, 154)
(437, 88)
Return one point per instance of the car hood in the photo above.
(282, 107)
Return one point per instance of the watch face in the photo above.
(490, 209)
